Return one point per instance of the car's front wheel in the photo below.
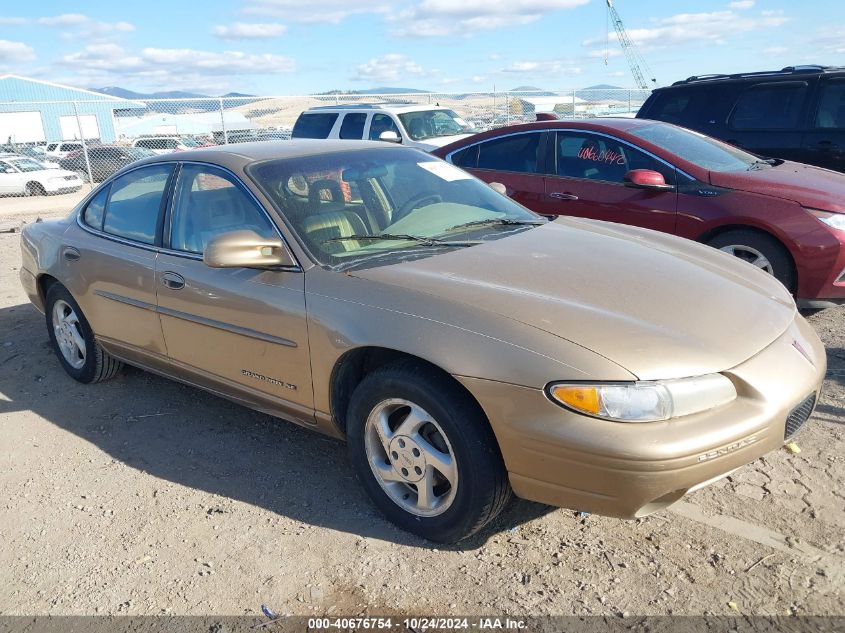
(73, 340)
(760, 250)
(425, 453)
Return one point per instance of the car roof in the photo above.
(785, 74)
(390, 107)
(242, 154)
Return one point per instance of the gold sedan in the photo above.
(464, 347)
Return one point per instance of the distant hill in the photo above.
(178, 100)
(603, 87)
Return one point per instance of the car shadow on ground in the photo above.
(189, 437)
(835, 374)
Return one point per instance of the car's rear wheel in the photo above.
(760, 250)
(73, 340)
(34, 189)
(425, 452)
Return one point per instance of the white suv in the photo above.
(424, 127)
(62, 148)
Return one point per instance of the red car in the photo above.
(784, 217)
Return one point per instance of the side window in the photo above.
(770, 106)
(467, 157)
(133, 207)
(71, 147)
(208, 202)
(593, 157)
(142, 143)
(317, 125)
(382, 123)
(511, 153)
(352, 126)
(93, 215)
(51, 147)
(831, 112)
(170, 143)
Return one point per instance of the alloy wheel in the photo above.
(750, 255)
(411, 457)
(68, 334)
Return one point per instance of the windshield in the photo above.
(434, 123)
(25, 164)
(698, 149)
(348, 207)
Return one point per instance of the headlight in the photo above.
(833, 220)
(644, 401)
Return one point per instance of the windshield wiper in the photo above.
(495, 222)
(428, 241)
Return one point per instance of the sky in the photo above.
(290, 47)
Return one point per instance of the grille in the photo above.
(70, 177)
(798, 416)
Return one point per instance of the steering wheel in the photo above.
(416, 201)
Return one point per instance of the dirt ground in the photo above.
(143, 496)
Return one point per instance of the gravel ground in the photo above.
(143, 496)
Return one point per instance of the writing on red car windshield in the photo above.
(607, 156)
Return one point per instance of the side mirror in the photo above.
(246, 249)
(390, 136)
(498, 188)
(647, 179)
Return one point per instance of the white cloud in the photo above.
(327, 11)
(66, 19)
(108, 63)
(439, 18)
(741, 4)
(538, 67)
(15, 52)
(250, 31)
(13, 21)
(389, 68)
(715, 27)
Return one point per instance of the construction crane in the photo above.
(632, 53)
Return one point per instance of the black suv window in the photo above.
(831, 112)
(133, 207)
(317, 125)
(510, 153)
(352, 126)
(769, 106)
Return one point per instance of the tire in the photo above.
(761, 250)
(69, 333)
(34, 189)
(450, 424)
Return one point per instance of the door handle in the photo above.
(173, 281)
(563, 196)
(70, 253)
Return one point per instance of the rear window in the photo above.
(516, 153)
(770, 106)
(317, 125)
(134, 205)
(353, 126)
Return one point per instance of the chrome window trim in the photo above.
(168, 251)
(582, 131)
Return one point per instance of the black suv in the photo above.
(797, 113)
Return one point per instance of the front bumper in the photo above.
(62, 186)
(627, 470)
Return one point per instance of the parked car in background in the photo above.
(104, 160)
(165, 144)
(21, 175)
(380, 295)
(797, 113)
(785, 218)
(413, 125)
(61, 149)
(41, 160)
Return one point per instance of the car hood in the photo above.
(657, 305)
(441, 141)
(807, 185)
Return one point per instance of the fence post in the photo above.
(223, 123)
(573, 103)
(629, 100)
(84, 144)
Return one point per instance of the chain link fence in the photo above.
(95, 137)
